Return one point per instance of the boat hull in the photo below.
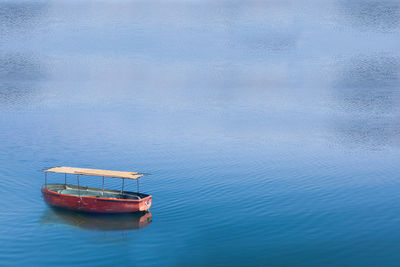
(95, 204)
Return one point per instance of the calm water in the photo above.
(271, 130)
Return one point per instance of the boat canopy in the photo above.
(95, 172)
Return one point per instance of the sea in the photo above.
(269, 130)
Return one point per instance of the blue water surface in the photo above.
(271, 130)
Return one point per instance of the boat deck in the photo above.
(93, 192)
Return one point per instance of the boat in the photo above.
(95, 200)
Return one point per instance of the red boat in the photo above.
(95, 200)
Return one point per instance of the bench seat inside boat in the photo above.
(85, 193)
(88, 193)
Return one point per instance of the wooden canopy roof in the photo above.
(95, 172)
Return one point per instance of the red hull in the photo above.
(95, 204)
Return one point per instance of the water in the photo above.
(270, 130)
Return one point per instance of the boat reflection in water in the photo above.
(97, 222)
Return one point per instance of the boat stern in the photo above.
(145, 204)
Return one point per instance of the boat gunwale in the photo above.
(47, 191)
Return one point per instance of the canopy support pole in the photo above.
(79, 188)
(123, 183)
(65, 178)
(45, 179)
(103, 187)
(137, 180)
